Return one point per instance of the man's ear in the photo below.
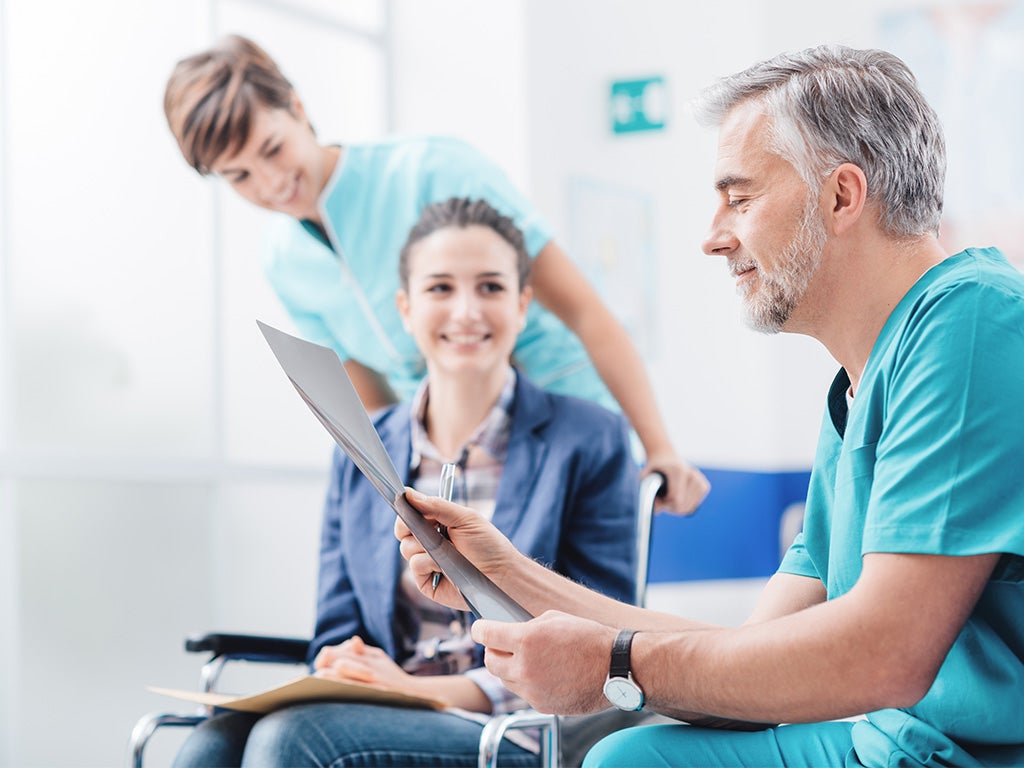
(402, 302)
(846, 192)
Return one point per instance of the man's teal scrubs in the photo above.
(929, 459)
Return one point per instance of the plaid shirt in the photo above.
(435, 640)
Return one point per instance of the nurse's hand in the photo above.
(685, 485)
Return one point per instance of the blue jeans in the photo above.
(340, 734)
(683, 746)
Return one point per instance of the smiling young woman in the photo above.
(554, 472)
(464, 299)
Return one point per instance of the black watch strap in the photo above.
(620, 653)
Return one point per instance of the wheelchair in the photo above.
(226, 648)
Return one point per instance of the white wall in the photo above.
(460, 70)
(158, 474)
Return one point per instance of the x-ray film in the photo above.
(321, 381)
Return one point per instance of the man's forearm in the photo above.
(540, 589)
(878, 646)
(784, 670)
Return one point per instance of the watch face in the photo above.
(623, 693)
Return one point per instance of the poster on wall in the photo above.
(969, 60)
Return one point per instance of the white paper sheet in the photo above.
(318, 375)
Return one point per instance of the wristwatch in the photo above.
(620, 688)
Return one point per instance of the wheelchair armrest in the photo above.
(282, 650)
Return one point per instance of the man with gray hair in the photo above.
(903, 596)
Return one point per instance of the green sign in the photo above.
(638, 105)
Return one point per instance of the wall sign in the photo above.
(638, 105)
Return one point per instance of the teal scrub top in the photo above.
(341, 293)
(928, 460)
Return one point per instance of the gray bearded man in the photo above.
(903, 597)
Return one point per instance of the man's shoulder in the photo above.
(977, 282)
(979, 269)
(995, 272)
(969, 305)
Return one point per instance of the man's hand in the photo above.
(557, 662)
(472, 535)
(685, 485)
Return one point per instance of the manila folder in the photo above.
(303, 689)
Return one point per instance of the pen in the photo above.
(446, 491)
